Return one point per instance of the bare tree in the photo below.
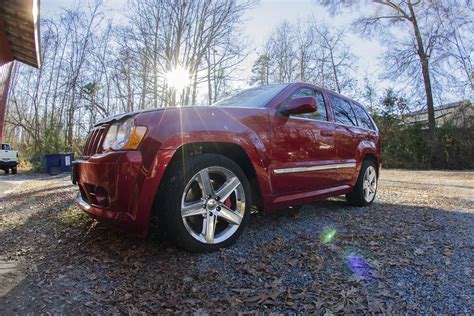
(410, 54)
(336, 54)
(309, 51)
(195, 35)
(455, 62)
(93, 68)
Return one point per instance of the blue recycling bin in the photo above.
(57, 163)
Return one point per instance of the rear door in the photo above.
(348, 137)
(304, 149)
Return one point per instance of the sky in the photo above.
(268, 14)
(261, 20)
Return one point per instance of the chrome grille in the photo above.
(94, 141)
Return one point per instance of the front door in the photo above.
(303, 148)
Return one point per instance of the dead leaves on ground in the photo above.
(349, 266)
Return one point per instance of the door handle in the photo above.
(326, 133)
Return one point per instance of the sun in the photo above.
(178, 78)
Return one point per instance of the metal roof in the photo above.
(21, 19)
(439, 107)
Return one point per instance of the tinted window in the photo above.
(320, 113)
(5, 147)
(343, 113)
(363, 118)
(254, 97)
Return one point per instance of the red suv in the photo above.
(200, 170)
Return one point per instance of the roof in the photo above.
(21, 19)
(440, 107)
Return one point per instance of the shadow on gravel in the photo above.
(385, 258)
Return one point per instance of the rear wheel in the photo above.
(365, 189)
(14, 171)
(206, 204)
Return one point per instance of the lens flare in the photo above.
(327, 235)
(359, 267)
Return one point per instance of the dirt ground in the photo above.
(412, 251)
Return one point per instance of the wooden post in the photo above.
(6, 66)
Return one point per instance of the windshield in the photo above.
(254, 97)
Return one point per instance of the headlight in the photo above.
(110, 137)
(123, 135)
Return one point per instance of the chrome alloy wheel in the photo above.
(370, 184)
(213, 205)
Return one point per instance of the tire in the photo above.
(7, 171)
(186, 208)
(14, 171)
(361, 196)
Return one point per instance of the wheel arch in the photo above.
(370, 156)
(230, 150)
(367, 150)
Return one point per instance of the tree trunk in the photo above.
(335, 72)
(424, 60)
(425, 68)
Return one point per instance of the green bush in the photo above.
(408, 146)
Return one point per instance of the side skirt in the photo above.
(306, 197)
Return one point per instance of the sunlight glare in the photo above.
(178, 78)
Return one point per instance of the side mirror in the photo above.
(299, 106)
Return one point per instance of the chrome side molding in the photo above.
(316, 168)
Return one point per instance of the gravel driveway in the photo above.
(412, 251)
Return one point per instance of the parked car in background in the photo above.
(199, 170)
(8, 159)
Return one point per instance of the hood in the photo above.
(118, 117)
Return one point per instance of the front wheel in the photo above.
(365, 189)
(206, 203)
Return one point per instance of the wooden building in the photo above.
(19, 41)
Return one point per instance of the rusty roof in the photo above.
(21, 19)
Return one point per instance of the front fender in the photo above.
(177, 127)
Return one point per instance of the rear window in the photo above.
(363, 117)
(5, 147)
(343, 113)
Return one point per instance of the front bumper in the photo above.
(111, 186)
(8, 164)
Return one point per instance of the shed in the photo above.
(19, 41)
